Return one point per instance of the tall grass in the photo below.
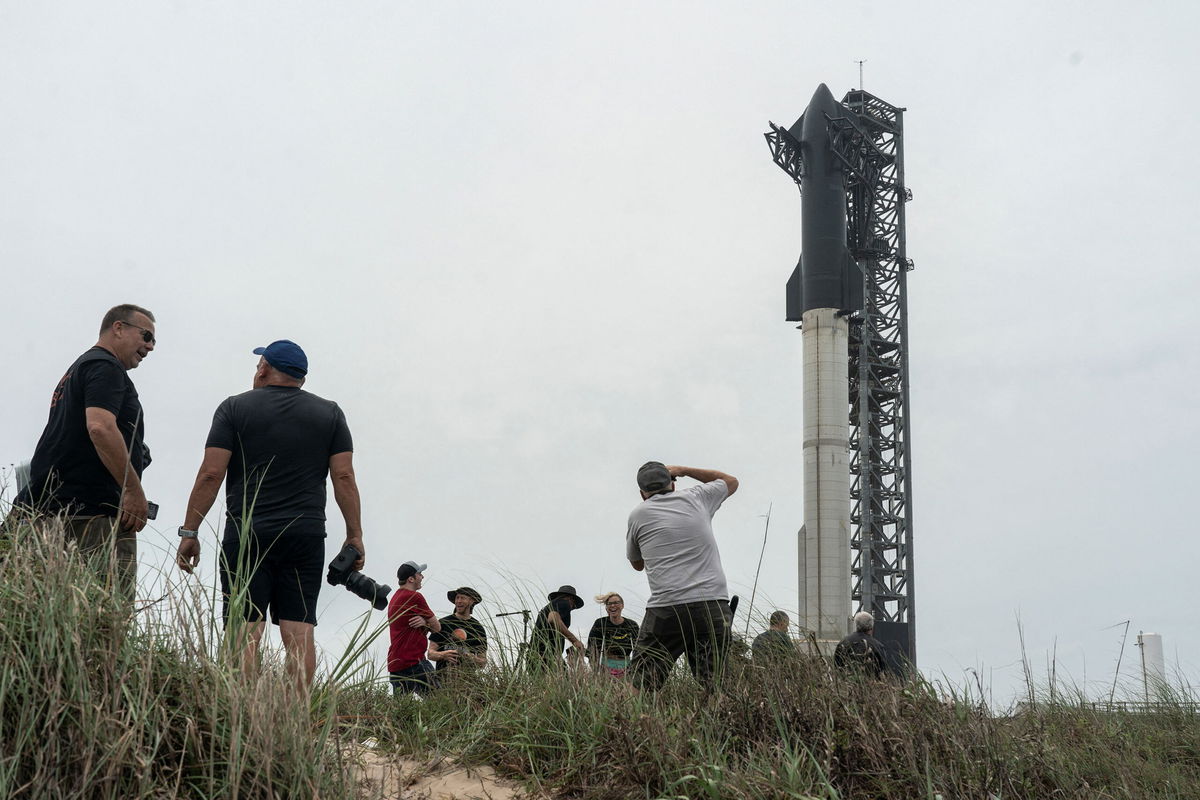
(795, 732)
(96, 705)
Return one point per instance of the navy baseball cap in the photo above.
(285, 356)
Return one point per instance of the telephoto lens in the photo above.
(342, 572)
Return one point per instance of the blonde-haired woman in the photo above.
(612, 636)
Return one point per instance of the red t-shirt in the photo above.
(408, 644)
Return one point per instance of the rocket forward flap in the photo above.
(797, 128)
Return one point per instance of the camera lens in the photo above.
(368, 589)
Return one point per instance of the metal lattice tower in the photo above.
(869, 142)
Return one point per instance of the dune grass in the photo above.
(93, 705)
(793, 733)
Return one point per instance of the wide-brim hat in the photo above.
(468, 591)
(566, 591)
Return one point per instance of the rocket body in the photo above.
(826, 284)
(825, 542)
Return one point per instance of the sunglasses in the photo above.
(147, 335)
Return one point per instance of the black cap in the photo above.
(654, 477)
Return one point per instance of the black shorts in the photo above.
(283, 575)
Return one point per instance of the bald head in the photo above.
(266, 375)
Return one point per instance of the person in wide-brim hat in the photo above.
(462, 639)
(466, 591)
(552, 630)
(566, 591)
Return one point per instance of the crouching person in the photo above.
(462, 641)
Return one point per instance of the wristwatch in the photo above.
(184, 533)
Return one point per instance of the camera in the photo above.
(342, 572)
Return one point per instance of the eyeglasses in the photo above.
(147, 334)
(615, 603)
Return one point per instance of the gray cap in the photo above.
(654, 477)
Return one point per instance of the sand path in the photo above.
(395, 778)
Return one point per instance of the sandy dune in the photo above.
(390, 778)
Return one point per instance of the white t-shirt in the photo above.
(673, 534)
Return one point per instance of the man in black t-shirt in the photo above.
(462, 639)
(552, 629)
(89, 460)
(278, 444)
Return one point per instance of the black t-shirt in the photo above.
(475, 641)
(546, 639)
(281, 438)
(860, 652)
(66, 471)
(612, 641)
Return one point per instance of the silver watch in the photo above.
(184, 533)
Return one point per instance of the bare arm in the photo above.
(345, 492)
(431, 622)
(200, 501)
(114, 455)
(704, 476)
(435, 653)
(557, 622)
(638, 565)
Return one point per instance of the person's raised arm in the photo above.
(345, 492)
(200, 501)
(704, 476)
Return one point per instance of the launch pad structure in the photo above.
(864, 136)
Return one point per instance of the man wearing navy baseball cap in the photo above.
(277, 444)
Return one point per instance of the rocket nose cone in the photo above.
(822, 98)
(821, 107)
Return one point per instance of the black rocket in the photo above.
(826, 275)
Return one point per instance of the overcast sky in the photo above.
(529, 246)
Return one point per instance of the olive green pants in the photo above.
(111, 551)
